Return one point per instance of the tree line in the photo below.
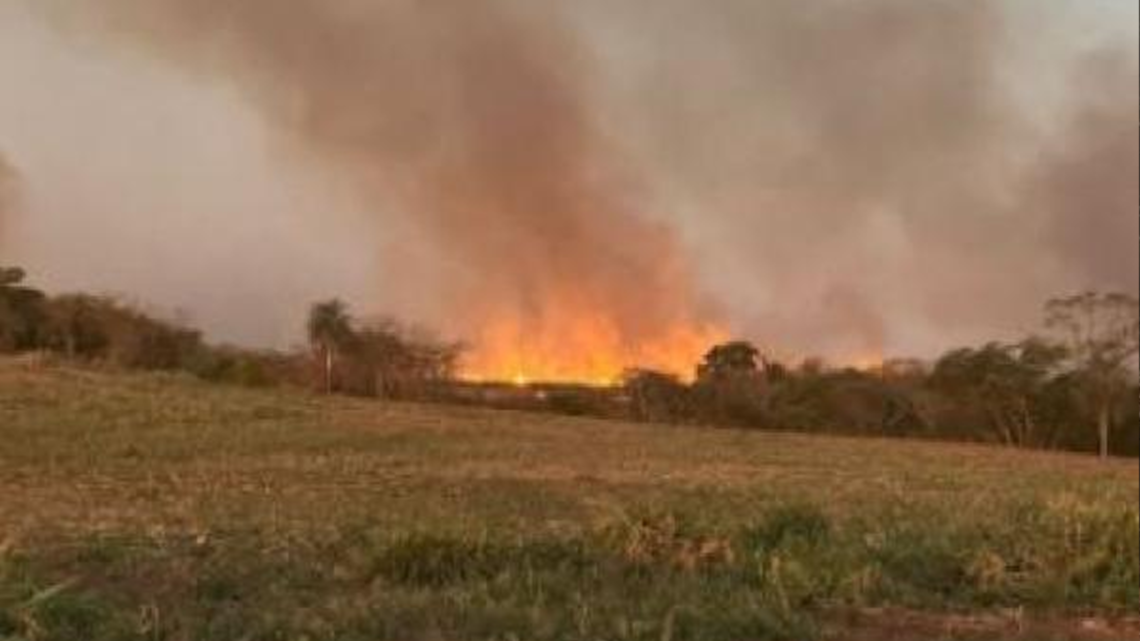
(1073, 387)
(366, 358)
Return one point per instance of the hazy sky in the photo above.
(823, 177)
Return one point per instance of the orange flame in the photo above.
(582, 348)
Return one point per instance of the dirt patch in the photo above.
(904, 625)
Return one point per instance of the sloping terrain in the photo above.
(157, 507)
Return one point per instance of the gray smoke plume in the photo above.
(879, 174)
(837, 177)
(1086, 187)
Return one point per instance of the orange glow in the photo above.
(868, 362)
(581, 348)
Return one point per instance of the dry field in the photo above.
(157, 507)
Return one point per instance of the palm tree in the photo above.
(330, 330)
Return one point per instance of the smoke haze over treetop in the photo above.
(619, 177)
(7, 194)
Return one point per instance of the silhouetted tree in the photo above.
(656, 396)
(730, 385)
(21, 312)
(11, 276)
(391, 361)
(330, 331)
(1102, 333)
(1008, 383)
(80, 325)
(738, 359)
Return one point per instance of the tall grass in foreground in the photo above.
(645, 576)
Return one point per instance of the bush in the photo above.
(657, 397)
(435, 561)
(235, 367)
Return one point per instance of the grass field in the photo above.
(155, 507)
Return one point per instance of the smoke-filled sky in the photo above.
(831, 177)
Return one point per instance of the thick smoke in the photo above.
(879, 171)
(1087, 189)
(847, 177)
(472, 118)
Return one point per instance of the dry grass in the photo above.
(93, 456)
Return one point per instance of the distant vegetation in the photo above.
(1074, 387)
(1075, 390)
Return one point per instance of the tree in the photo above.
(80, 325)
(21, 312)
(11, 276)
(102, 328)
(1102, 334)
(1008, 385)
(140, 341)
(330, 331)
(656, 396)
(738, 359)
(730, 385)
(390, 360)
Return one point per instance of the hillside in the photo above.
(157, 507)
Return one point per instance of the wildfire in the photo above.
(582, 349)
